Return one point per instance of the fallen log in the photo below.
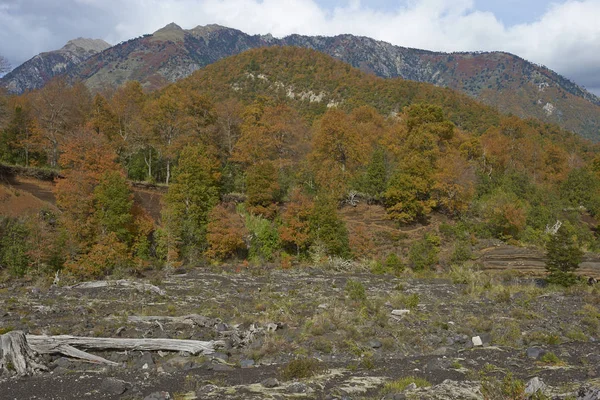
(189, 346)
(72, 352)
(142, 287)
(17, 356)
(192, 319)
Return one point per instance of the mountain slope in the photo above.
(34, 73)
(502, 80)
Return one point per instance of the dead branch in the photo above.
(72, 352)
(142, 287)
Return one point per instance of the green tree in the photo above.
(327, 229)
(582, 188)
(13, 246)
(375, 179)
(563, 257)
(113, 201)
(262, 189)
(191, 196)
(424, 253)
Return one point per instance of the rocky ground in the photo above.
(320, 334)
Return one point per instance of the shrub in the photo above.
(301, 368)
(394, 264)
(264, 238)
(356, 291)
(508, 388)
(424, 253)
(461, 253)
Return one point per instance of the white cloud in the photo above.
(566, 37)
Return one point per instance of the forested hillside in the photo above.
(504, 81)
(262, 153)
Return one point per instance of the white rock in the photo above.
(477, 341)
(400, 312)
(535, 385)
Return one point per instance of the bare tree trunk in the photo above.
(168, 171)
(16, 355)
(148, 162)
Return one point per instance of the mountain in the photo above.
(34, 73)
(502, 80)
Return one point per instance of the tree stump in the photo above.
(16, 357)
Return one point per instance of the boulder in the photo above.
(534, 353)
(270, 383)
(535, 385)
(113, 386)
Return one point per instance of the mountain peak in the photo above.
(86, 44)
(172, 32)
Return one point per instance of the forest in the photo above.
(257, 154)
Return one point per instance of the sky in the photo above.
(564, 35)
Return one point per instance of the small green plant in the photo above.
(462, 252)
(509, 388)
(393, 264)
(551, 359)
(323, 346)
(410, 301)
(356, 290)
(456, 364)
(6, 329)
(301, 368)
(399, 385)
(367, 362)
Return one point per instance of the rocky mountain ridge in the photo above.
(34, 73)
(502, 80)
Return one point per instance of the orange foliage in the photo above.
(225, 233)
(295, 228)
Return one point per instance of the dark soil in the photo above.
(358, 340)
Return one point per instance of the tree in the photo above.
(192, 194)
(505, 213)
(563, 257)
(453, 188)
(16, 142)
(113, 202)
(339, 150)
(276, 133)
(174, 118)
(328, 229)
(13, 246)
(225, 233)
(59, 110)
(415, 142)
(374, 182)
(86, 157)
(295, 228)
(423, 254)
(407, 197)
(262, 189)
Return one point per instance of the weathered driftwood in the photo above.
(17, 356)
(142, 287)
(189, 346)
(192, 319)
(72, 352)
